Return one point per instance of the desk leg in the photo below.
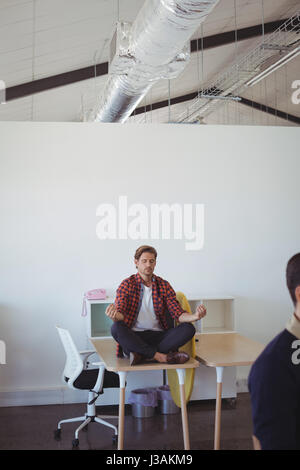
(185, 428)
(219, 371)
(122, 377)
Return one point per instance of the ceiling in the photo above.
(44, 38)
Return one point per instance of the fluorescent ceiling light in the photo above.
(284, 60)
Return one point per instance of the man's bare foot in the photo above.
(160, 357)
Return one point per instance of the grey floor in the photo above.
(31, 427)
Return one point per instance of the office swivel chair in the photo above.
(77, 376)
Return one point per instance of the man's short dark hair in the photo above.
(145, 248)
(293, 275)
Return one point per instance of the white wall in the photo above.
(54, 176)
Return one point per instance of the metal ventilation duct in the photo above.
(154, 47)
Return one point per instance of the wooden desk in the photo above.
(221, 350)
(106, 349)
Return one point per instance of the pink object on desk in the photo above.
(95, 294)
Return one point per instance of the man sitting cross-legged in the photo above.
(139, 314)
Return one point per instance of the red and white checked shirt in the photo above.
(129, 300)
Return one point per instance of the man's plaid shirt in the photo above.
(129, 299)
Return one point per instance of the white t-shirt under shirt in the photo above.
(147, 319)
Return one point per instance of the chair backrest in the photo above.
(74, 363)
(183, 301)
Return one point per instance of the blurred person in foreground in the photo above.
(274, 380)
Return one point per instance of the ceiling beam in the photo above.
(193, 95)
(48, 83)
(164, 103)
(274, 112)
(229, 37)
(74, 76)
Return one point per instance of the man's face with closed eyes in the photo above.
(146, 264)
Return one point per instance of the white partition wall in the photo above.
(54, 181)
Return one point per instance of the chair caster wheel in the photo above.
(57, 434)
(75, 443)
(115, 439)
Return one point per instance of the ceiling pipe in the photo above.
(154, 47)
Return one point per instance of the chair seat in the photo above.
(88, 378)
